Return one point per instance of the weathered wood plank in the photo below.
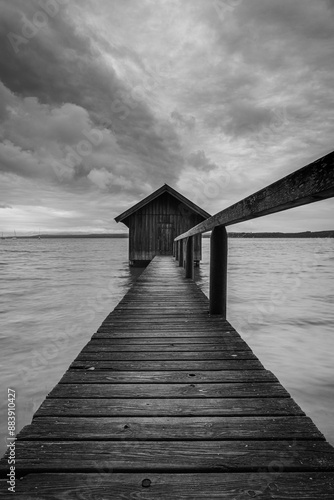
(169, 456)
(171, 428)
(265, 485)
(141, 335)
(100, 346)
(160, 323)
(174, 317)
(181, 377)
(86, 355)
(173, 323)
(237, 364)
(181, 341)
(166, 303)
(239, 407)
(190, 390)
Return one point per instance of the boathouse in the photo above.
(156, 220)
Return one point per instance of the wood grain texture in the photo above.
(102, 485)
(102, 346)
(218, 354)
(156, 333)
(171, 428)
(183, 342)
(181, 377)
(169, 407)
(169, 456)
(225, 364)
(190, 390)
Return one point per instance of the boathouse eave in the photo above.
(164, 189)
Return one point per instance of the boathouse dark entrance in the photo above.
(156, 220)
(165, 238)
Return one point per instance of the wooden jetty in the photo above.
(167, 401)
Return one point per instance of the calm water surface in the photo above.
(55, 293)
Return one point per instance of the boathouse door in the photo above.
(165, 238)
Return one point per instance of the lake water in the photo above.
(56, 292)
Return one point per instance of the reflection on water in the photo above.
(56, 293)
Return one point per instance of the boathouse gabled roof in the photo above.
(164, 189)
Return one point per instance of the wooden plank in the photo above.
(155, 333)
(182, 322)
(101, 346)
(235, 364)
(169, 456)
(172, 313)
(169, 329)
(153, 306)
(196, 322)
(182, 342)
(190, 390)
(104, 484)
(181, 377)
(174, 322)
(164, 355)
(309, 184)
(171, 428)
(239, 407)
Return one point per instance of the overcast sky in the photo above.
(103, 101)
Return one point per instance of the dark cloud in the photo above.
(60, 65)
(187, 122)
(200, 162)
(108, 100)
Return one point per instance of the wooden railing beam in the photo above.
(309, 184)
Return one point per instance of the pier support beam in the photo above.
(176, 250)
(180, 243)
(218, 271)
(190, 258)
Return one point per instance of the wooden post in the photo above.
(190, 258)
(180, 242)
(176, 249)
(218, 271)
(184, 253)
(173, 248)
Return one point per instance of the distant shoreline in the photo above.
(304, 234)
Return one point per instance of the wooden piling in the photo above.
(180, 253)
(190, 258)
(218, 271)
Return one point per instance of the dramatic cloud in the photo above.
(102, 102)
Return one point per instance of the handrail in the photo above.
(309, 184)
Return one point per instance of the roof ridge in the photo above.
(164, 188)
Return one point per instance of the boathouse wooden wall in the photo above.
(153, 227)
